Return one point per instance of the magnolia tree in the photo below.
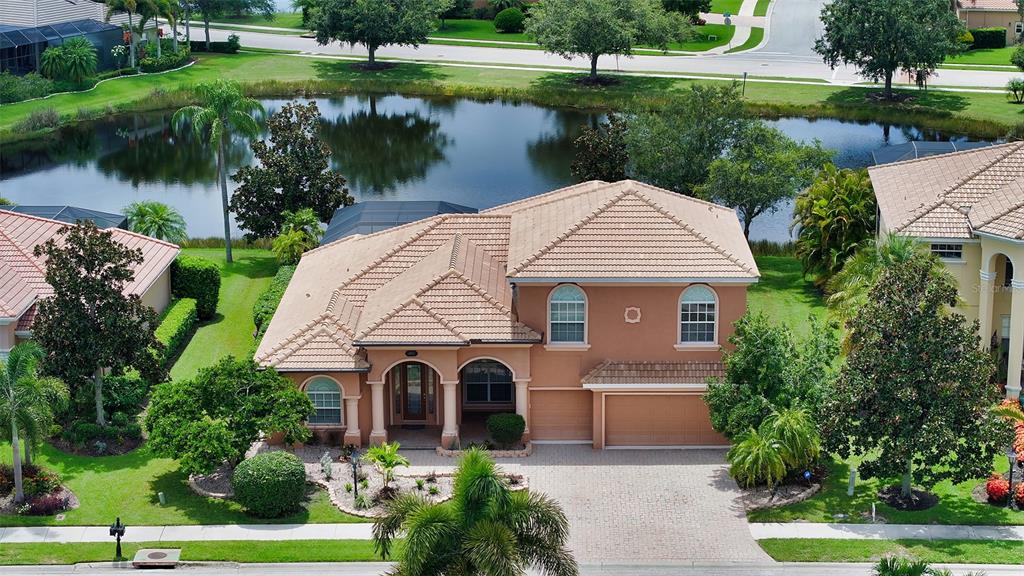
(593, 28)
(915, 393)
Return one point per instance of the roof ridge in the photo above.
(297, 334)
(565, 233)
(391, 314)
(939, 156)
(30, 257)
(111, 230)
(924, 208)
(703, 237)
(999, 215)
(691, 198)
(576, 189)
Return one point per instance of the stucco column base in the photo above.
(448, 440)
(380, 437)
(1012, 393)
(354, 438)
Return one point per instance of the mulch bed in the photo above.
(112, 449)
(597, 82)
(919, 499)
(9, 508)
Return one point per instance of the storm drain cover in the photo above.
(156, 558)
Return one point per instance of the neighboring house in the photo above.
(596, 311)
(73, 215)
(28, 27)
(22, 275)
(969, 208)
(991, 14)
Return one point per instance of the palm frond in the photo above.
(492, 548)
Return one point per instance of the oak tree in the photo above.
(376, 23)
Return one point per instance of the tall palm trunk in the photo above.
(28, 452)
(222, 174)
(131, 41)
(174, 34)
(19, 488)
(97, 388)
(188, 25)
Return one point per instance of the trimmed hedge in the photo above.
(271, 484)
(265, 306)
(994, 37)
(510, 21)
(168, 61)
(17, 88)
(230, 47)
(506, 429)
(176, 327)
(199, 279)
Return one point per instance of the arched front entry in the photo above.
(413, 394)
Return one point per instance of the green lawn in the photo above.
(985, 56)
(784, 295)
(761, 8)
(936, 551)
(128, 486)
(756, 36)
(223, 551)
(472, 29)
(230, 332)
(955, 504)
(280, 20)
(723, 6)
(983, 115)
(702, 39)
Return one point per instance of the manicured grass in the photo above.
(222, 551)
(761, 8)
(476, 30)
(723, 6)
(935, 551)
(987, 56)
(982, 115)
(230, 332)
(756, 36)
(955, 504)
(784, 295)
(702, 38)
(280, 20)
(128, 486)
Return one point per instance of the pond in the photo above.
(388, 147)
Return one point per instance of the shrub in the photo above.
(1017, 58)
(506, 429)
(510, 21)
(230, 47)
(1018, 493)
(1015, 90)
(966, 38)
(265, 306)
(82, 433)
(199, 279)
(124, 393)
(348, 487)
(176, 327)
(433, 490)
(74, 61)
(994, 37)
(420, 483)
(168, 61)
(17, 88)
(40, 483)
(797, 436)
(362, 502)
(386, 458)
(997, 488)
(271, 484)
(47, 505)
(39, 120)
(757, 459)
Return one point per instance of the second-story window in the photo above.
(698, 315)
(567, 315)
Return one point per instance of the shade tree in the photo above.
(376, 23)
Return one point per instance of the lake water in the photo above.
(388, 147)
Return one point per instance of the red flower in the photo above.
(998, 489)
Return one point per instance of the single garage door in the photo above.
(561, 414)
(658, 420)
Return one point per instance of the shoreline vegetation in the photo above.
(980, 115)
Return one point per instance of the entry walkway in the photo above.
(762, 531)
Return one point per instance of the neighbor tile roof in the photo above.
(22, 275)
(640, 373)
(445, 280)
(994, 5)
(954, 195)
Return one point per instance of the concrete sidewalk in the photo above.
(72, 534)
(802, 530)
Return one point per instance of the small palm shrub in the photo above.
(270, 485)
(506, 429)
(386, 458)
(757, 459)
(73, 61)
(797, 436)
(510, 21)
(897, 566)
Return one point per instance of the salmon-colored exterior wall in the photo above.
(558, 407)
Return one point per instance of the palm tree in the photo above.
(386, 458)
(484, 529)
(224, 108)
(129, 6)
(156, 220)
(27, 402)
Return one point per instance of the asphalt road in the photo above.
(793, 26)
(374, 569)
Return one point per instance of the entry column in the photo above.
(352, 433)
(450, 432)
(1013, 367)
(523, 404)
(986, 293)
(378, 433)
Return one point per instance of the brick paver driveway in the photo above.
(639, 505)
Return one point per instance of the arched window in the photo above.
(487, 382)
(567, 315)
(698, 316)
(326, 397)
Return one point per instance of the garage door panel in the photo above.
(561, 414)
(658, 420)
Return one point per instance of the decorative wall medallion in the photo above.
(632, 315)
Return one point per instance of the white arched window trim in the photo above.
(324, 402)
(570, 346)
(713, 345)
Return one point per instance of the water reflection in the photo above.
(468, 152)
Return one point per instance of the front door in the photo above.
(414, 393)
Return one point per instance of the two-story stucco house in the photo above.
(969, 208)
(597, 312)
(23, 275)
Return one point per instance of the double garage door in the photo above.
(658, 420)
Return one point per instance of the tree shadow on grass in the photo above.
(937, 100)
(627, 86)
(251, 267)
(202, 510)
(349, 71)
